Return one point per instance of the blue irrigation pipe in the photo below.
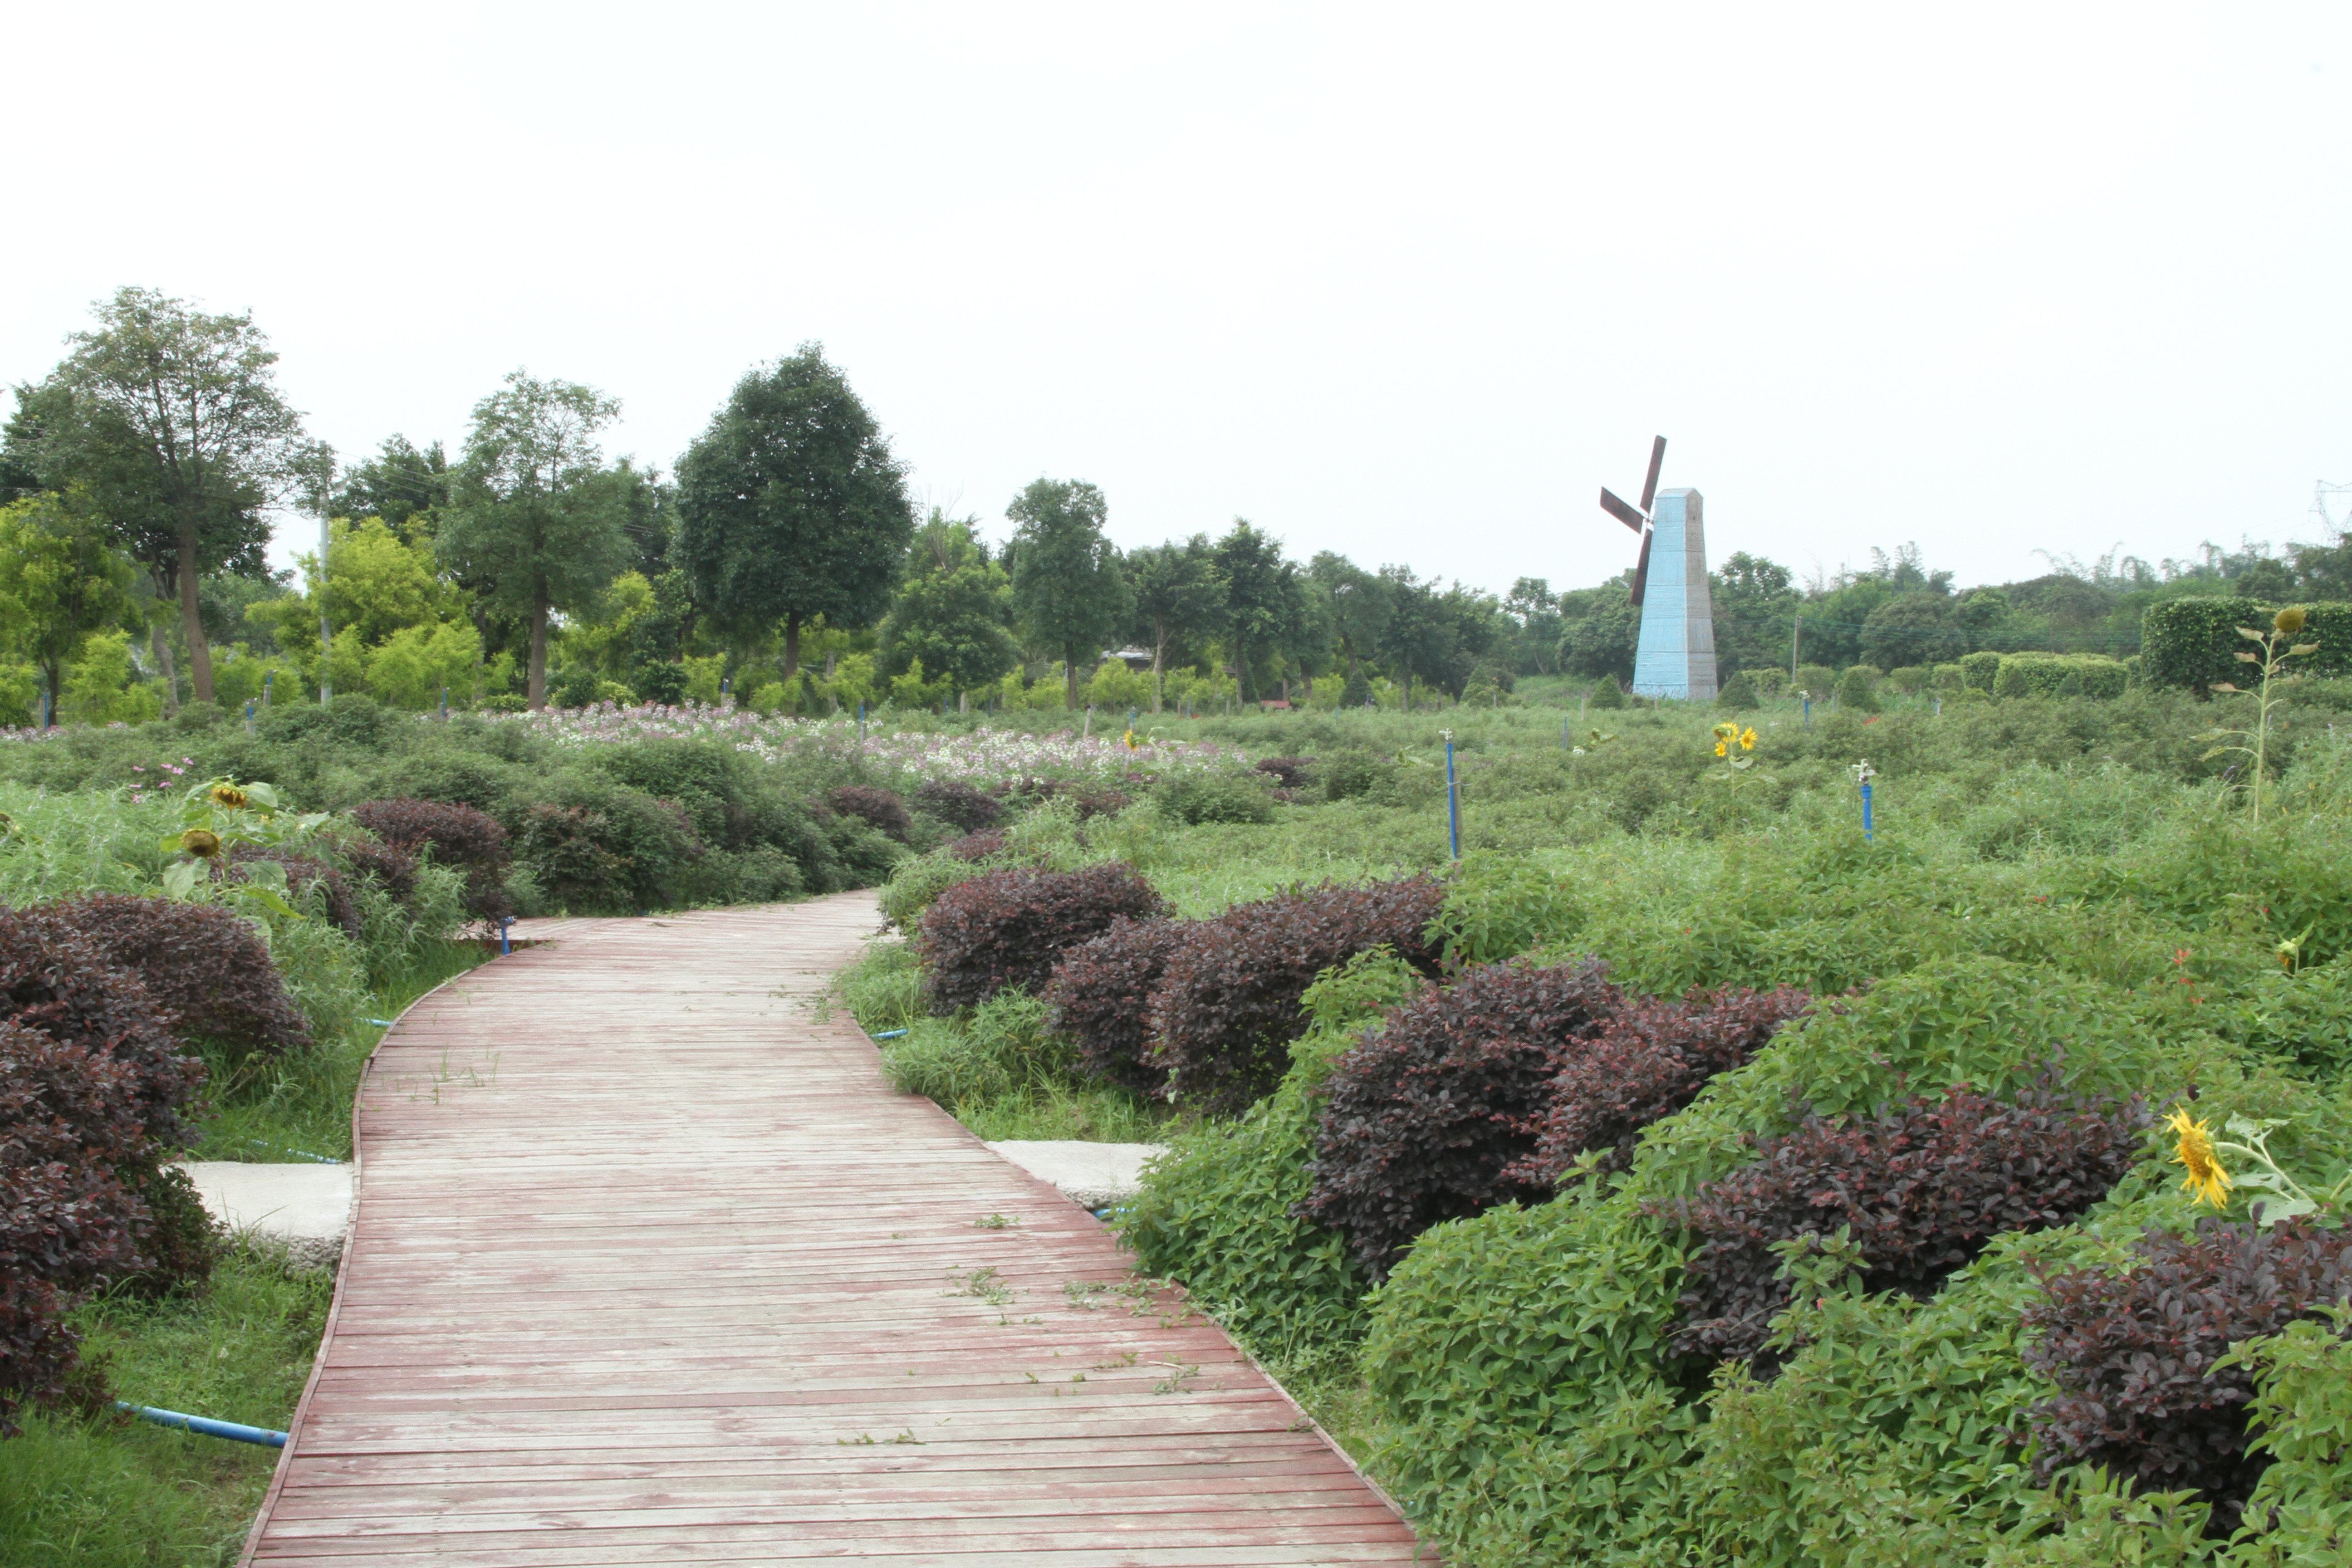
(1865, 813)
(1452, 803)
(204, 1424)
(887, 1035)
(1809, 709)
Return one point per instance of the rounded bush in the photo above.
(69, 1118)
(1099, 994)
(1228, 1002)
(1646, 1062)
(1921, 1188)
(1738, 694)
(2133, 1352)
(1607, 693)
(1427, 1117)
(1202, 797)
(458, 835)
(1009, 928)
(204, 967)
(880, 808)
(57, 983)
(958, 805)
(1290, 772)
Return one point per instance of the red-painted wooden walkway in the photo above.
(652, 1266)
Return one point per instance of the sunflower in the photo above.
(1722, 749)
(2288, 622)
(201, 842)
(1748, 739)
(228, 795)
(2206, 1178)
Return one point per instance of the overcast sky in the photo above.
(1410, 284)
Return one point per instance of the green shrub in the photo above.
(1001, 1046)
(1909, 679)
(1218, 1212)
(1192, 799)
(1817, 679)
(1770, 682)
(1978, 671)
(2194, 642)
(916, 881)
(1738, 693)
(1857, 691)
(1349, 774)
(1947, 677)
(1606, 693)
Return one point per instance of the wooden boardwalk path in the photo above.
(652, 1266)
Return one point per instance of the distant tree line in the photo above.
(783, 562)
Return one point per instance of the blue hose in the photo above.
(887, 1035)
(204, 1424)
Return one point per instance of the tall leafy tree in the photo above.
(60, 583)
(1265, 602)
(954, 612)
(1419, 640)
(790, 506)
(1359, 609)
(1602, 630)
(1756, 609)
(395, 484)
(1535, 608)
(539, 525)
(170, 422)
(1178, 600)
(1067, 587)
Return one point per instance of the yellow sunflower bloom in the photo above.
(228, 795)
(1721, 750)
(2206, 1178)
(1748, 739)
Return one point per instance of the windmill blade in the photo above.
(1622, 512)
(1649, 485)
(1642, 570)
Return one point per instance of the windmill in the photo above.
(1676, 655)
(1638, 519)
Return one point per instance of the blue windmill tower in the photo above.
(1675, 656)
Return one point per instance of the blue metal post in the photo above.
(248, 715)
(1452, 803)
(1809, 709)
(1865, 812)
(861, 724)
(267, 677)
(504, 945)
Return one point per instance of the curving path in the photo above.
(650, 1265)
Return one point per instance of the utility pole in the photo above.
(1796, 639)
(325, 636)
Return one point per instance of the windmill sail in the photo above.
(1622, 512)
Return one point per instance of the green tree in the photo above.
(1067, 587)
(953, 614)
(1534, 608)
(790, 507)
(1755, 613)
(539, 522)
(170, 422)
(1359, 607)
(60, 583)
(1265, 602)
(1604, 631)
(1177, 601)
(1912, 628)
(396, 484)
(1419, 640)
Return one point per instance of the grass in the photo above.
(270, 1112)
(104, 1490)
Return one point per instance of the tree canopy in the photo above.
(539, 524)
(1067, 587)
(790, 506)
(953, 613)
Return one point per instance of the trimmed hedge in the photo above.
(2195, 642)
(459, 837)
(1010, 928)
(2059, 674)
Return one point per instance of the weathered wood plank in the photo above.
(651, 1267)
